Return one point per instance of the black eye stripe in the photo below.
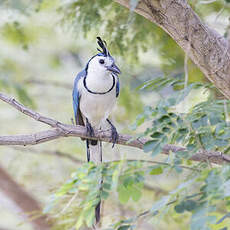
(101, 61)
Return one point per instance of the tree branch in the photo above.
(63, 130)
(23, 201)
(209, 50)
(48, 83)
(79, 161)
(36, 116)
(55, 153)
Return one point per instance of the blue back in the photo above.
(75, 94)
(117, 87)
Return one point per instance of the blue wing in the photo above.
(76, 99)
(117, 87)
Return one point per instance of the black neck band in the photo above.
(84, 82)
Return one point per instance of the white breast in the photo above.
(97, 107)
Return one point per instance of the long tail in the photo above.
(94, 154)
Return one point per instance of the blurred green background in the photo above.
(43, 45)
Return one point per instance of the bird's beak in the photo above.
(114, 69)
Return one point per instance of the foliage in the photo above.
(205, 126)
(125, 178)
(203, 191)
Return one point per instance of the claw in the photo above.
(90, 132)
(114, 135)
(89, 129)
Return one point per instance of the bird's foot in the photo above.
(89, 128)
(90, 132)
(114, 135)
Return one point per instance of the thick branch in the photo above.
(208, 50)
(23, 201)
(63, 130)
(79, 131)
(67, 131)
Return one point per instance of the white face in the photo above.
(99, 64)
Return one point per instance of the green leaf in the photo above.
(183, 131)
(165, 130)
(157, 135)
(164, 118)
(106, 186)
(189, 205)
(182, 94)
(123, 194)
(89, 216)
(225, 135)
(128, 181)
(220, 128)
(104, 195)
(79, 222)
(135, 194)
(196, 124)
(221, 142)
(208, 141)
(157, 149)
(64, 189)
(215, 118)
(156, 170)
(157, 83)
(179, 208)
(124, 227)
(149, 145)
(159, 146)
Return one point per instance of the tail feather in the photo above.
(87, 150)
(98, 212)
(94, 154)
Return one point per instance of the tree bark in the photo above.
(207, 49)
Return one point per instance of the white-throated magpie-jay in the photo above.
(95, 91)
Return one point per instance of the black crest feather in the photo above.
(103, 45)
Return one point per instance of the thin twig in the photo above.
(69, 203)
(155, 162)
(207, 1)
(48, 83)
(226, 111)
(49, 152)
(186, 65)
(147, 212)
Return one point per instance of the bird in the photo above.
(95, 92)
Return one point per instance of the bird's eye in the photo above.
(101, 61)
